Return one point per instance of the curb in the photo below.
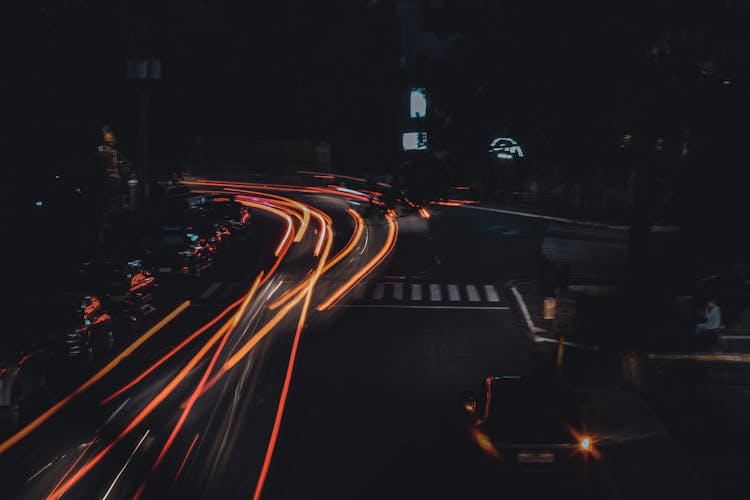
(702, 356)
(654, 228)
(533, 330)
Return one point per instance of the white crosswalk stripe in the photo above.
(210, 290)
(491, 293)
(398, 291)
(473, 294)
(406, 294)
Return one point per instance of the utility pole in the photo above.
(144, 67)
(645, 160)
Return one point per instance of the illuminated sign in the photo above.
(417, 103)
(505, 147)
(414, 140)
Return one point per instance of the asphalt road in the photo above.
(374, 402)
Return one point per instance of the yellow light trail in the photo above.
(359, 275)
(98, 376)
(359, 228)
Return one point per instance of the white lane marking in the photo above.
(533, 329)
(210, 290)
(109, 419)
(39, 472)
(549, 217)
(396, 306)
(228, 291)
(398, 291)
(123, 467)
(655, 228)
(359, 292)
(473, 294)
(435, 293)
(416, 291)
(379, 291)
(491, 293)
(453, 294)
(565, 342)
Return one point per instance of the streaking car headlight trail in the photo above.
(174, 399)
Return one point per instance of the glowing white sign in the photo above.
(417, 103)
(505, 147)
(414, 140)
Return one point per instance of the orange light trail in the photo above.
(359, 275)
(61, 490)
(304, 218)
(184, 460)
(322, 235)
(98, 376)
(284, 393)
(288, 377)
(171, 353)
(210, 367)
(194, 397)
(237, 356)
(265, 329)
(70, 469)
(285, 216)
(353, 241)
(424, 213)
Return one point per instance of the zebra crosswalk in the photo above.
(389, 294)
(425, 295)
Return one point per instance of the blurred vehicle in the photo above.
(69, 323)
(180, 250)
(126, 286)
(24, 363)
(216, 234)
(528, 423)
(226, 211)
(23, 371)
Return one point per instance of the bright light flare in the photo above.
(586, 444)
(485, 443)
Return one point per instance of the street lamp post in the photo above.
(144, 69)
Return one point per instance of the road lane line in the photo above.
(491, 293)
(123, 467)
(228, 290)
(473, 293)
(453, 293)
(435, 294)
(416, 291)
(210, 290)
(379, 291)
(398, 291)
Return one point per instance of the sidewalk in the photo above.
(733, 343)
(580, 360)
